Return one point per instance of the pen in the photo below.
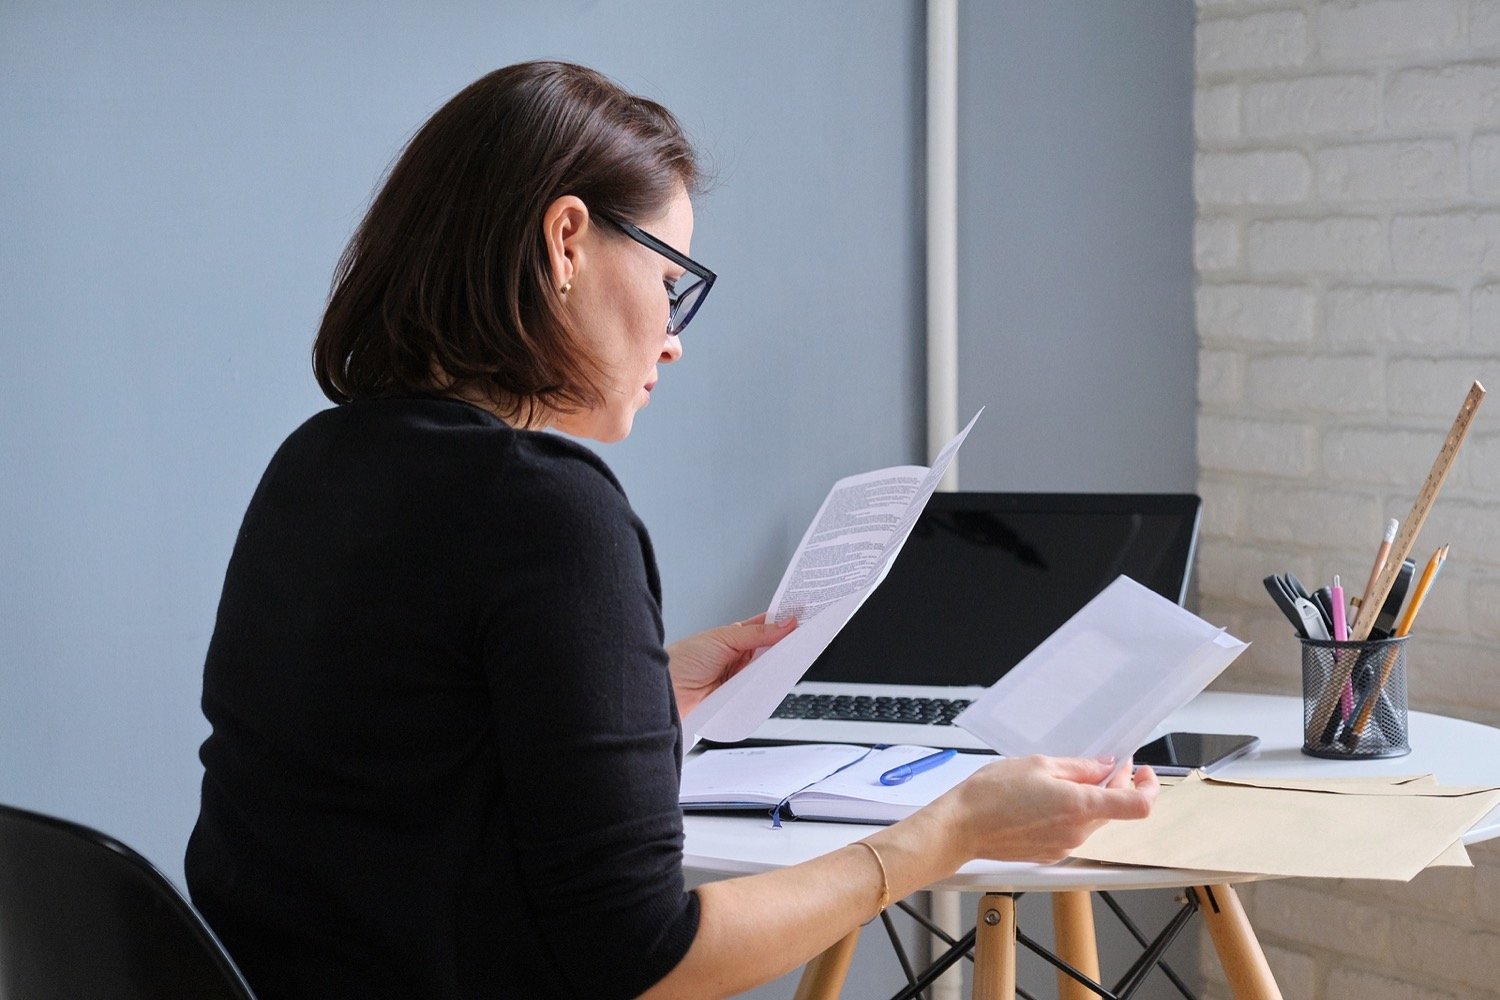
(1340, 623)
(1403, 628)
(904, 772)
(1341, 634)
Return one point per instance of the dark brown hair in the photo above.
(447, 286)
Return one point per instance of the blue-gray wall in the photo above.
(178, 181)
(1075, 244)
(178, 178)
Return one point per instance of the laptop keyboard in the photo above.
(863, 708)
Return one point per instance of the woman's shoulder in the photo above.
(553, 479)
(445, 431)
(450, 447)
(558, 462)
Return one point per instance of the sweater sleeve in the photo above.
(587, 734)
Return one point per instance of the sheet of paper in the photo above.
(1356, 831)
(857, 533)
(848, 540)
(1105, 680)
(844, 554)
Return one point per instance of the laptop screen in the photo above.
(985, 577)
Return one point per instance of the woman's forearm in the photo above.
(758, 927)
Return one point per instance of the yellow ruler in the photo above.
(1400, 549)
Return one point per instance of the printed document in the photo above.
(1104, 680)
(844, 554)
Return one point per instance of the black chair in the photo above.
(83, 917)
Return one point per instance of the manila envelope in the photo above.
(1377, 828)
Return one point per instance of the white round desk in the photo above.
(1456, 752)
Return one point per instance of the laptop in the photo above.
(981, 581)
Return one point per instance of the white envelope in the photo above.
(1104, 680)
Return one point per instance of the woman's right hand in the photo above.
(1042, 808)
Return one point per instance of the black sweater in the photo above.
(445, 750)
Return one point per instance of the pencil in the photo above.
(1403, 628)
(1381, 555)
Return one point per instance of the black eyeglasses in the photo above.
(689, 291)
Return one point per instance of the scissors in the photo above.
(1298, 606)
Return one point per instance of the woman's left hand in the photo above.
(702, 662)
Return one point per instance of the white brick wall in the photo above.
(1265, 313)
(1216, 112)
(1347, 175)
(1356, 316)
(1376, 171)
(1484, 166)
(1257, 177)
(1317, 246)
(1451, 96)
(1216, 244)
(1358, 32)
(1465, 242)
(1484, 24)
(1315, 105)
(1257, 41)
(1486, 315)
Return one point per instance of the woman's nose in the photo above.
(672, 350)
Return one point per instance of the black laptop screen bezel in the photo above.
(919, 612)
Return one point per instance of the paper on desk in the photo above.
(1454, 856)
(1322, 829)
(1104, 680)
(1421, 784)
(845, 553)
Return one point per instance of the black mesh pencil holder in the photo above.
(1354, 699)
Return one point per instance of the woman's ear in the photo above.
(564, 224)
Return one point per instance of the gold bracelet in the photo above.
(885, 880)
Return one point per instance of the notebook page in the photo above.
(861, 782)
(760, 775)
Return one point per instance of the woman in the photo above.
(446, 737)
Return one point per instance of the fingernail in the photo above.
(1107, 759)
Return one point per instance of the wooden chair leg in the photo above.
(995, 948)
(1073, 927)
(823, 977)
(1234, 940)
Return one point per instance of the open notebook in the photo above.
(982, 580)
(826, 781)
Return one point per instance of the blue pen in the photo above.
(897, 775)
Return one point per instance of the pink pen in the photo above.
(1341, 634)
